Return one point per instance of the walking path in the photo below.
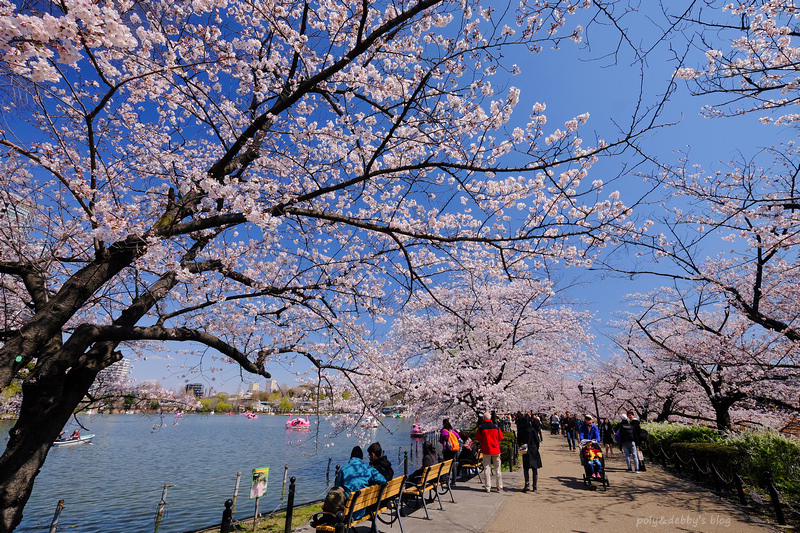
(654, 500)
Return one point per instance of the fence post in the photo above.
(290, 507)
(695, 468)
(663, 456)
(405, 463)
(236, 488)
(718, 481)
(285, 475)
(776, 501)
(739, 489)
(54, 524)
(328, 471)
(161, 505)
(227, 517)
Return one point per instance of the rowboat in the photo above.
(416, 431)
(297, 423)
(73, 441)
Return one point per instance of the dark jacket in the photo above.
(530, 433)
(383, 466)
(428, 459)
(629, 431)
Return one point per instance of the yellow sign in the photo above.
(258, 488)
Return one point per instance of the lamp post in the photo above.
(594, 395)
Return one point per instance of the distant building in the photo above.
(113, 377)
(118, 370)
(272, 385)
(196, 389)
(252, 388)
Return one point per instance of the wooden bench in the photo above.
(432, 478)
(374, 500)
(444, 478)
(477, 464)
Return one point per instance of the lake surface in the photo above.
(115, 483)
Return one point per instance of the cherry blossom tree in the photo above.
(712, 356)
(482, 343)
(260, 179)
(727, 236)
(750, 49)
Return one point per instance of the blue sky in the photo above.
(572, 81)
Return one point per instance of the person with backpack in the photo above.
(449, 439)
(628, 436)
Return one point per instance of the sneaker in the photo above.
(526, 488)
(488, 490)
(535, 489)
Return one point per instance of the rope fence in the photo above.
(707, 472)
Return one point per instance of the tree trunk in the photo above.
(47, 406)
(666, 410)
(723, 415)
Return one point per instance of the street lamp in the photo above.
(594, 395)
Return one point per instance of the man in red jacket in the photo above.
(489, 435)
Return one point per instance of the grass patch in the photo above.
(274, 523)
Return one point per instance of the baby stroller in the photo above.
(589, 476)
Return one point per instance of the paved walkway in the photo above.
(653, 500)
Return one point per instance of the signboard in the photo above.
(258, 488)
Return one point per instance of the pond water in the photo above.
(115, 483)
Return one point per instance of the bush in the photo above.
(507, 447)
(722, 455)
(665, 434)
(766, 450)
(754, 451)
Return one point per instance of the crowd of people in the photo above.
(464, 447)
(626, 434)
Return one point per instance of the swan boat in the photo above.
(298, 423)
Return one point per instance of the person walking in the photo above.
(628, 435)
(607, 436)
(489, 435)
(589, 430)
(569, 431)
(529, 436)
(555, 422)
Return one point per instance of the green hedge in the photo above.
(768, 450)
(754, 452)
(506, 447)
(667, 434)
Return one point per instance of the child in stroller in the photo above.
(593, 463)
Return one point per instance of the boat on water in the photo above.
(416, 431)
(369, 421)
(250, 415)
(297, 423)
(72, 441)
